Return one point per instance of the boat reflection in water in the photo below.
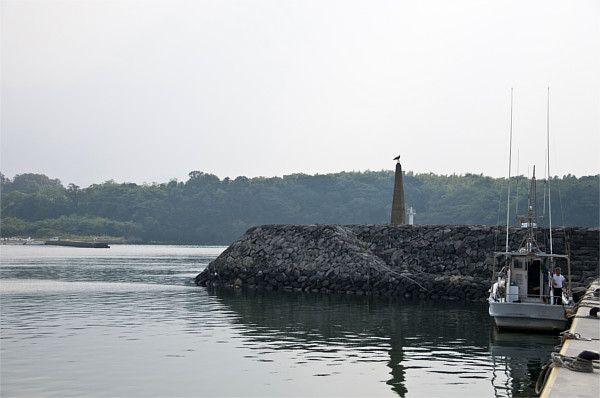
(414, 348)
(518, 358)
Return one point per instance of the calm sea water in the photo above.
(128, 321)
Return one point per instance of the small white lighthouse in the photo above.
(411, 212)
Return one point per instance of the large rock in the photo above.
(451, 262)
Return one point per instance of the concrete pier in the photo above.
(585, 330)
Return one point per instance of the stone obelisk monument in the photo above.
(398, 210)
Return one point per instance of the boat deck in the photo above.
(564, 382)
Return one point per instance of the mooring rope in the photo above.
(566, 335)
(576, 364)
(593, 314)
(385, 268)
(589, 299)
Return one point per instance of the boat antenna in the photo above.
(546, 177)
(548, 149)
(509, 167)
(517, 193)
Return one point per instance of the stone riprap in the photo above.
(436, 261)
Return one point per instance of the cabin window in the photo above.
(519, 264)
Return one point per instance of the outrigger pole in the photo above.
(548, 151)
(509, 167)
(549, 197)
(549, 203)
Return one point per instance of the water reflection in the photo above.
(128, 264)
(131, 322)
(430, 348)
(518, 359)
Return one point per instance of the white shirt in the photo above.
(558, 280)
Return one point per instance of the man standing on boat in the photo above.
(557, 283)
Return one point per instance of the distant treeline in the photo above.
(208, 210)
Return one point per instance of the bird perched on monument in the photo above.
(397, 158)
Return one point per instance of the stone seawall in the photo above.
(437, 261)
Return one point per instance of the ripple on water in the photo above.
(130, 322)
(42, 286)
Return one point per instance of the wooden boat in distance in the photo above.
(77, 243)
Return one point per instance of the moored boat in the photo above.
(77, 243)
(526, 295)
(523, 296)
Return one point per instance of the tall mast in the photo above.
(546, 177)
(509, 167)
(517, 193)
(531, 214)
(548, 147)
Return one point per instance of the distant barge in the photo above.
(77, 243)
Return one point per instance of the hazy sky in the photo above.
(149, 90)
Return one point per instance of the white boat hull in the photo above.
(529, 316)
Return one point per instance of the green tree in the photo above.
(205, 209)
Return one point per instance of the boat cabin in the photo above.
(527, 276)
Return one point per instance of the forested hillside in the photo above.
(207, 210)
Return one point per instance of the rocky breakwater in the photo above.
(450, 262)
